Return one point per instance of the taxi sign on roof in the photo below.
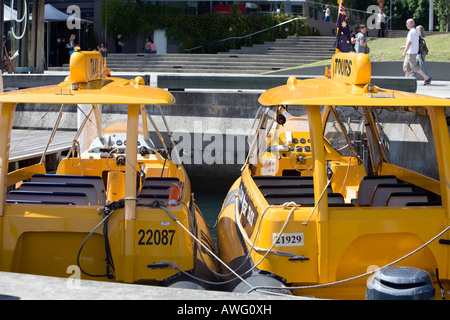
(86, 66)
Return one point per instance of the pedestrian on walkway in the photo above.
(353, 41)
(361, 41)
(71, 44)
(327, 15)
(119, 43)
(423, 51)
(381, 18)
(410, 52)
(103, 51)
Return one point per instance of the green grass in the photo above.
(388, 49)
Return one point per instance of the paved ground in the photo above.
(439, 89)
(16, 286)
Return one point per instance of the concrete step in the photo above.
(293, 45)
(224, 56)
(206, 66)
(176, 69)
(318, 47)
(284, 51)
(273, 55)
(403, 33)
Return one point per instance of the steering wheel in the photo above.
(157, 154)
(305, 161)
(108, 157)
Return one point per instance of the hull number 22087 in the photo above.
(155, 237)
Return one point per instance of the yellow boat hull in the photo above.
(108, 212)
(356, 245)
(46, 240)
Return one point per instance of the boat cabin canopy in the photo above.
(348, 85)
(88, 84)
(376, 139)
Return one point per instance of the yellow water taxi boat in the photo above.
(345, 193)
(120, 210)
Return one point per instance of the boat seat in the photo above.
(384, 190)
(270, 181)
(155, 190)
(160, 181)
(306, 200)
(400, 199)
(39, 202)
(96, 181)
(88, 189)
(368, 185)
(287, 189)
(428, 203)
(149, 199)
(48, 196)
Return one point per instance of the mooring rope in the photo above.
(361, 275)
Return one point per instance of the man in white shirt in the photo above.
(411, 49)
(381, 18)
(327, 11)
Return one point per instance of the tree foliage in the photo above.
(405, 9)
(132, 19)
(443, 9)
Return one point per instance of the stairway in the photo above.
(310, 48)
(396, 33)
(276, 55)
(404, 33)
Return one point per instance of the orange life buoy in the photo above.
(174, 194)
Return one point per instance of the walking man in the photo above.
(411, 49)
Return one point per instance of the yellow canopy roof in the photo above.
(102, 91)
(326, 91)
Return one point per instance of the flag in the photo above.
(343, 41)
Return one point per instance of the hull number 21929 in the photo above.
(293, 239)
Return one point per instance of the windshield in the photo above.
(408, 141)
(400, 137)
(343, 130)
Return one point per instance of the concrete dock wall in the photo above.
(211, 128)
(210, 120)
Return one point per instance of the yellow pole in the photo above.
(130, 193)
(442, 143)
(6, 121)
(320, 183)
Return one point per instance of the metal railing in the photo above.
(249, 35)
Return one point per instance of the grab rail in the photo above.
(251, 34)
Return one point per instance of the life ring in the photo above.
(174, 194)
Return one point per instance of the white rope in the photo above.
(252, 244)
(317, 203)
(361, 275)
(205, 247)
(174, 265)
